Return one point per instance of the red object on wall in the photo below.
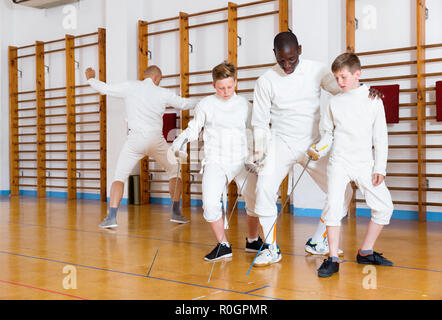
(439, 100)
(391, 101)
(169, 123)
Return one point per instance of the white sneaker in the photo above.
(320, 248)
(268, 256)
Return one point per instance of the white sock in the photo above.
(320, 233)
(268, 225)
(251, 240)
(226, 243)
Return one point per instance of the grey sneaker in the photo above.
(108, 223)
(179, 219)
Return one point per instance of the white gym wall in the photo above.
(319, 25)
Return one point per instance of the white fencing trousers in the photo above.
(214, 181)
(279, 161)
(378, 198)
(136, 147)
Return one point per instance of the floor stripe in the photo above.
(41, 289)
(258, 289)
(132, 236)
(137, 275)
(186, 242)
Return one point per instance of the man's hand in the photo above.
(377, 179)
(252, 164)
(258, 158)
(375, 93)
(90, 73)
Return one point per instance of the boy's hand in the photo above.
(317, 152)
(90, 73)
(251, 166)
(176, 156)
(313, 154)
(375, 93)
(377, 179)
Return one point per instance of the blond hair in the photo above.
(349, 60)
(224, 70)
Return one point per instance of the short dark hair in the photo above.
(286, 38)
(349, 60)
(224, 70)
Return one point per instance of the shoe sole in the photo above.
(219, 258)
(179, 221)
(326, 275)
(251, 250)
(375, 264)
(267, 264)
(108, 227)
(315, 253)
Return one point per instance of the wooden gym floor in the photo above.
(40, 237)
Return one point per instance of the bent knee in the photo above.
(212, 213)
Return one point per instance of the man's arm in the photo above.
(178, 102)
(260, 121)
(326, 129)
(116, 90)
(380, 140)
(262, 104)
(249, 130)
(193, 129)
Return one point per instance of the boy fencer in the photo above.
(352, 125)
(285, 120)
(145, 103)
(225, 118)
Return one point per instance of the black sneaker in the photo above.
(255, 245)
(375, 258)
(327, 268)
(220, 251)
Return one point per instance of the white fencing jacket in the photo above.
(145, 102)
(354, 124)
(226, 138)
(291, 103)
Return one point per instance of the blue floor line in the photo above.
(258, 289)
(187, 242)
(132, 236)
(136, 275)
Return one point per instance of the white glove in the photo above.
(317, 152)
(177, 151)
(312, 153)
(251, 165)
(179, 143)
(176, 156)
(262, 138)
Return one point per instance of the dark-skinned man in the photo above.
(285, 120)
